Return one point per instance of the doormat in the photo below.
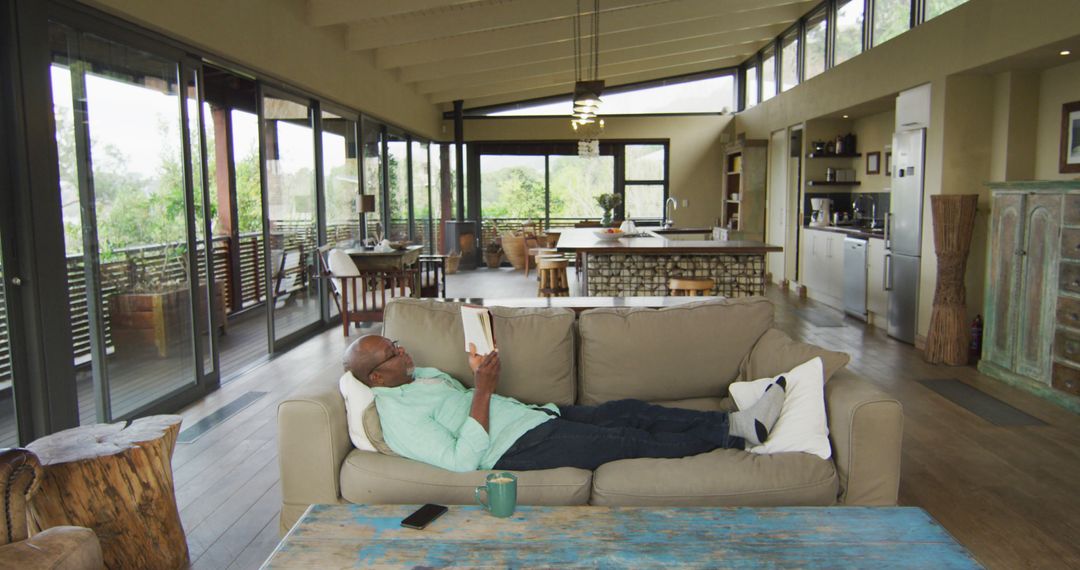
(215, 418)
(981, 404)
(819, 317)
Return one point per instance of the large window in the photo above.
(751, 85)
(815, 44)
(512, 187)
(768, 74)
(849, 30)
(371, 138)
(576, 182)
(557, 188)
(421, 192)
(789, 60)
(936, 8)
(645, 176)
(891, 18)
(397, 167)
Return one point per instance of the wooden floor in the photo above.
(1010, 494)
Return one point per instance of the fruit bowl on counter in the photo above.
(608, 233)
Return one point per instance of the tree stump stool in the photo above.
(117, 481)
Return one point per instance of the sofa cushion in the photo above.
(725, 477)
(372, 478)
(536, 346)
(801, 426)
(373, 431)
(776, 353)
(358, 396)
(687, 351)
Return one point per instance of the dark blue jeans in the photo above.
(589, 436)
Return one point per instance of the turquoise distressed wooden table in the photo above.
(361, 536)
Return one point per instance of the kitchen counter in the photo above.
(860, 233)
(641, 266)
(583, 239)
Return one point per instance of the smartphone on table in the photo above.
(423, 516)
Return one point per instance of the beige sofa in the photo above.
(681, 356)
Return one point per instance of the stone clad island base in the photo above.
(370, 536)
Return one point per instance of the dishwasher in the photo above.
(855, 277)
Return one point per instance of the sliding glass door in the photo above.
(9, 430)
(288, 150)
(136, 263)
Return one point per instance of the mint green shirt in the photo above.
(428, 420)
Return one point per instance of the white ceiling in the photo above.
(498, 51)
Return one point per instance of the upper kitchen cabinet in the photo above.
(913, 108)
(745, 171)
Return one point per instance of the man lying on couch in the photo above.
(428, 416)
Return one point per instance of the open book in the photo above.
(478, 328)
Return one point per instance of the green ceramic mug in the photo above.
(501, 489)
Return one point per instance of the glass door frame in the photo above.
(185, 66)
(264, 89)
(320, 184)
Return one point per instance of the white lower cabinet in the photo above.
(822, 270)
(877, 298)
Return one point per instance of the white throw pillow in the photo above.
(802, 426)
(357, 398)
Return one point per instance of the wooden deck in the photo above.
(138, 379)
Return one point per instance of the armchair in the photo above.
(58, 548)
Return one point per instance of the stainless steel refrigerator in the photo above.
(903, 233)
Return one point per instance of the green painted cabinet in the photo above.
(1029, 340)
(1038, 292)
(1001, 312)
(1025, 234)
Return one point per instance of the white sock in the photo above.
(754, 423)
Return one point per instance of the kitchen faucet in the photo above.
(674, 206)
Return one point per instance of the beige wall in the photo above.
(873, 134)
(1058, 86)
(696, 152)
(271, 36)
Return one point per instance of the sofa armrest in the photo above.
(56, 548)
(313, 440)
(866, 427)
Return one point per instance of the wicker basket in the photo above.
(452, 262)
(514, 249)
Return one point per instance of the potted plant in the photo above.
(609, 202)
(151, 307)
(493, 254)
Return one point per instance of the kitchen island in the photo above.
(641, 266)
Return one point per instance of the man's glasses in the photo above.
(395, 348)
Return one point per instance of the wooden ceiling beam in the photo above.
(615, 74)
(334, 12)
(691, 49)
(477, 18)
(480, 100)
(719, 28)
(556, 32)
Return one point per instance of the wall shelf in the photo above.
(827, 183)
(826, 155)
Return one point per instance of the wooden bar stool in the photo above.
(536, 252)
(553, 282)
(690, 286)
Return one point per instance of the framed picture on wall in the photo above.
(1070, 137)
(873, 162)
(888, 163)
